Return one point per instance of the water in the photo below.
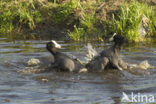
(71, 88)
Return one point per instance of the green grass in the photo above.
(77, 34)
(62, 11)
(152, 24)
(86, 29)
(79, 18)
(130, 17)
(126, 22)
(17, 14)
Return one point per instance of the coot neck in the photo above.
(53, 51)
(117, 47)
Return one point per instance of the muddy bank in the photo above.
(67, 19)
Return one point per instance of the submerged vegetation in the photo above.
(78, 19)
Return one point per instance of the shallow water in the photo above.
(71, 88)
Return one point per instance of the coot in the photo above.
(109, 58)
(61, 60)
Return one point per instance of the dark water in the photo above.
(71, 88)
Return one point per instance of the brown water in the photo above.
(71, 88)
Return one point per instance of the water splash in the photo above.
(143, 65)
(91, 52)
(33, 61)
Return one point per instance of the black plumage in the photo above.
(61, 60)
(109, 58)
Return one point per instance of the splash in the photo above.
(143, 65)
(33, 66)
(31, 70)
(33, 61)
(91, 52)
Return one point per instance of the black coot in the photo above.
(109, 58)
(61, 60)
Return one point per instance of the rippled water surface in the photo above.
(71, 88)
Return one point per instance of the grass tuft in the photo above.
(130, 17)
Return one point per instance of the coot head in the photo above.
(117, 39)
(52, 46)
